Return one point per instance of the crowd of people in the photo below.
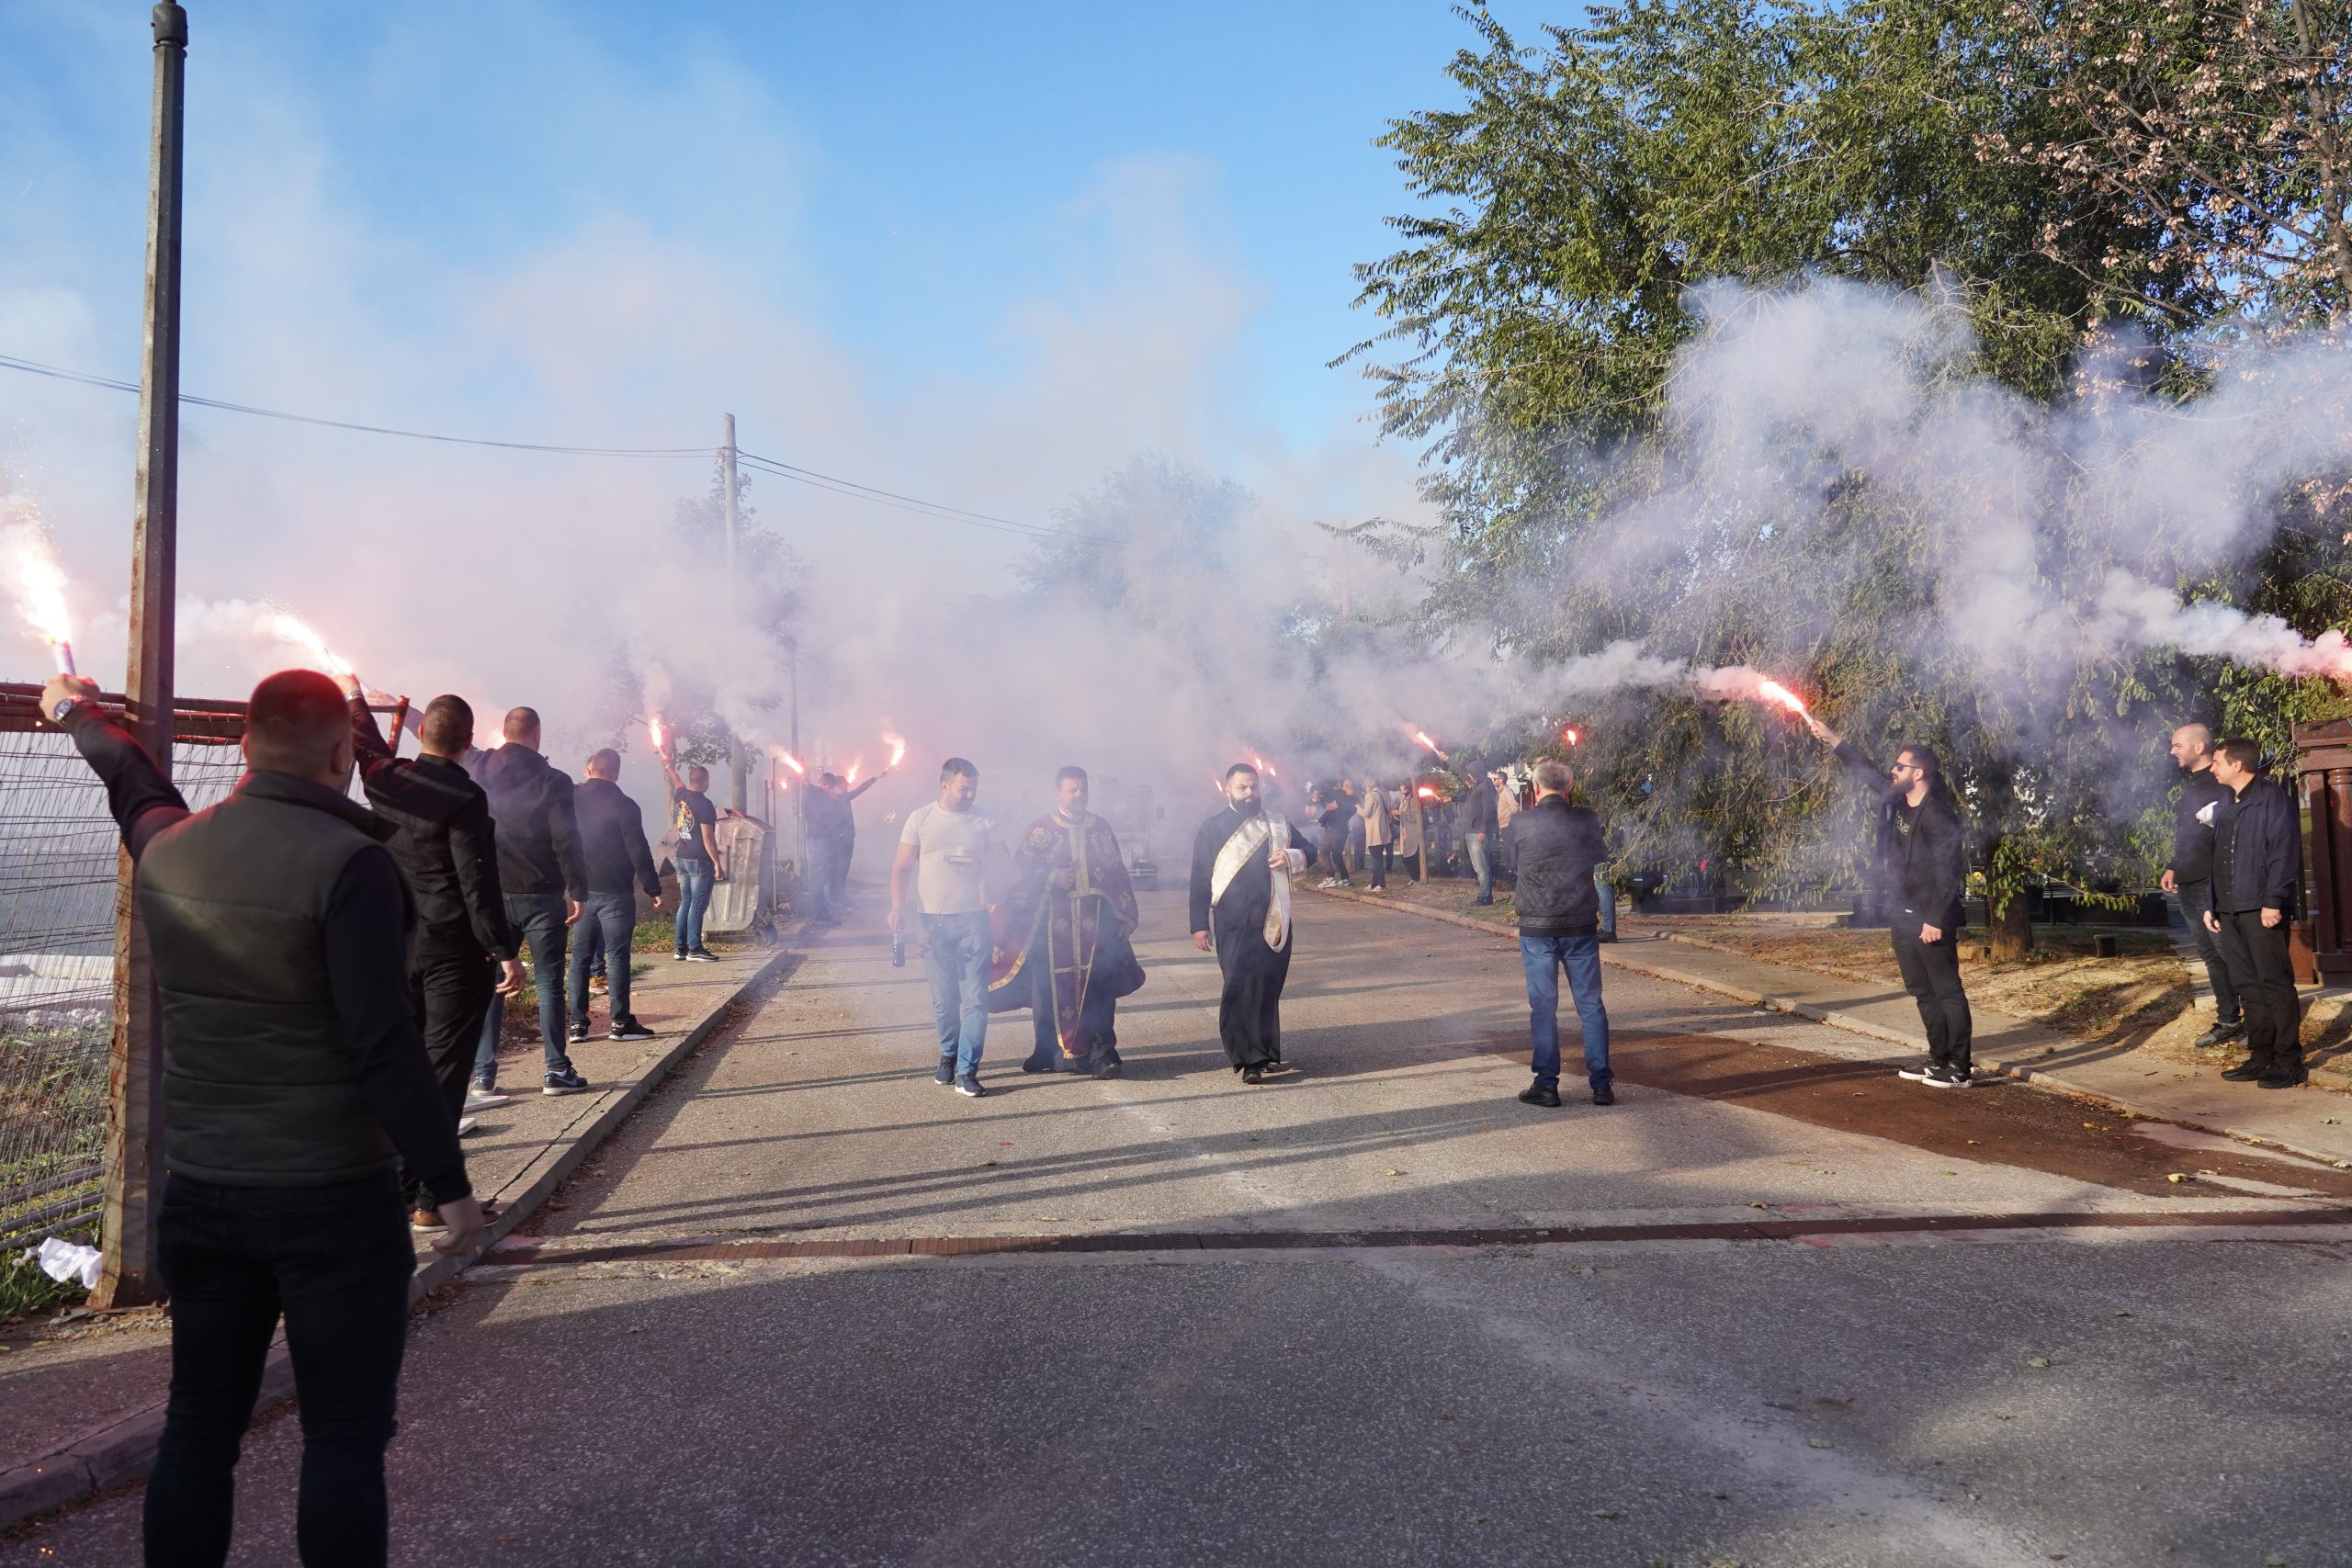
(332, 975)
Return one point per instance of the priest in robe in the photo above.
(1243, 860)
(1067, 948)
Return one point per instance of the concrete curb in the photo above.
(1987, 1058)
(124, 1451)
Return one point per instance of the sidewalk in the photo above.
(85, 1405)
(2309, 1121)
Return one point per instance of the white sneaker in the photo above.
(1939, 1077)
(484, 1099)
(466, 1124)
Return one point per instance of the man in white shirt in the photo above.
(943, 852)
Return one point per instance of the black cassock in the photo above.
(1248, 1017)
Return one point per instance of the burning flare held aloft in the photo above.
(1421, 736)
(28, 564)
(898, 744)
(1749, 685)
(295, 632)
(659, 735)
(789, 761)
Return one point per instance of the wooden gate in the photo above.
(2323, 791)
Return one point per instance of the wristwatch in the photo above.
(64, 705)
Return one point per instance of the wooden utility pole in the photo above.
(738, 770)
(135, 1060)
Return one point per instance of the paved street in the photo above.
(1773, 1308)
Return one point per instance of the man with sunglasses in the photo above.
(1922, 871)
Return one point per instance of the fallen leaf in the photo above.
(2039, 1364)
(1392, 1170)
(1819, 1443)
(2175, 1175)
(1605, 1514)
(985, 1163)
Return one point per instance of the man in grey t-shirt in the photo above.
(943, 852)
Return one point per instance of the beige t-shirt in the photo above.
(952, 848)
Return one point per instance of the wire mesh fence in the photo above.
(58, 848)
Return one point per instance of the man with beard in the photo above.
(1069, 926)
(1243, 860)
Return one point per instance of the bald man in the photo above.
(2190, 874)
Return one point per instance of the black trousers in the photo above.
(2265, 978)
(2196, 897)
(1376, 857)
(1249, 1012)
(452, 998)
(1931, 973)
(334, 1261)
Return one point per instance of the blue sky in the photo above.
(982, 254)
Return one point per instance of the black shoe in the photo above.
(1542, 1094)
(2283, 1076)
(628, 1028)
(1604, 1095)
(2219, 1035)
(701, 955)
(946, 1073)
(1038, 1065)
(1606, 936)
(1106, 1065)
(1253, 1075)
(580, 1033)
(969, 1088)
(2247, 1071)
(1482, 903)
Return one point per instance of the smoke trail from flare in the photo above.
(898, 744)
(2131, 612)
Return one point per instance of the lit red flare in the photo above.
(35, 579)
(789, 761)
(296, 632)
(1572, 736)
(1263, 766)
(898, 744)
(1426, 793)
(1771, 690)
(851, 776)
(653, 729)
(1422, 736)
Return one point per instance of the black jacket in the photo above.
(538, 838)
(1481, 815)
(612, 838)
(2258, 850)
(1921, 863)
(445, 845)
(2192, 841)
(1559, 847)
(280, 928)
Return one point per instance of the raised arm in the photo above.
(143, 801)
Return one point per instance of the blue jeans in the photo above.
(1543, 957)
(538, 919)
(956, 957)
(1606, 896)
(1482, 861)
(695, 883)
(608, 922)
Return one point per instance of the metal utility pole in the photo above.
(135, 1064)
(738, 770)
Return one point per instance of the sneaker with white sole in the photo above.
(466, 1124)
(1914, 1075)
(946, 1073)
(484, 1099)
(562, 1080)
(628, 1028)
(1944, 1077)
(969, 1088)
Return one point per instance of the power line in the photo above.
(851, 489)
(921, 508)
(56, 373)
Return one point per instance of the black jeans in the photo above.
(335, 1261)
(1376, 857)
(607, 926)
(452, 995)
(538, 918)
(1931, 973)
(2196, 897)
(2265, 978)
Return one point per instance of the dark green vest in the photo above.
(260, 1088)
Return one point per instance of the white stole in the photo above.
(1259, 837)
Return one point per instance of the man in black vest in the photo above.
(2190, 874)
(465, 950)
(2257, 863)
(541, 870)
(295, 1082)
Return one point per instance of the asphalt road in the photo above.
(1993, 1333)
